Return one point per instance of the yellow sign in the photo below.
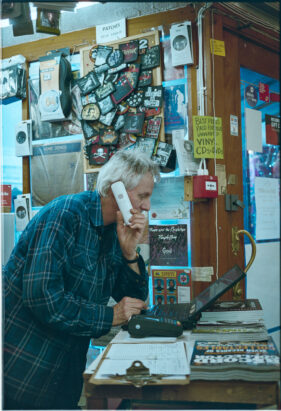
(207, 137)
(217, 47)
(165, 273)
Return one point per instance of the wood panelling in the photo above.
(259, 58)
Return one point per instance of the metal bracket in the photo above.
(234, 240)
(138, 375)
(232, 202)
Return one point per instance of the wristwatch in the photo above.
(136, 259)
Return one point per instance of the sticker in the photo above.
(150, 112)
(89, 132)
(111, 78)
(88, 83)
(130, 50)
(93, 53)
(100, 77)
(251, 96)
(136, 98)
(134, 123)
(101, 69)
(123, 89)
(116, 69)
(233, 125)
(151, 58)
(146, 145)
(115, 58)
(90, 112)
(98, 154)
(109, 137)
(132, 72)
(107, 119)
(143, 46)
(102, 54)
(145, 78)
(122, 108)
(105, 105)
(163, 153)
(153, 127)
(183, 278)
(88, 98)
(264, 92)
(153, 96)
(119, 122)
(104, 91)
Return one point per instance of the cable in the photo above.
(215, 146)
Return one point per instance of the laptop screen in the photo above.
(217, 288)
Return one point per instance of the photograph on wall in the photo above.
(173, 285)
(167, 200)
(175, 110)
(168, 245)
(56, 169)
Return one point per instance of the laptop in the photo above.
(189, 313)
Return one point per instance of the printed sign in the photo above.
(108, 32)
(171, 286)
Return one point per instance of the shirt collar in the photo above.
(95, 210)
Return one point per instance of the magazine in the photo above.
(250, 361)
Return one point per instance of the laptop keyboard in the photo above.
(177, 311)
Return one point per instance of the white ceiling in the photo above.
(98, 13)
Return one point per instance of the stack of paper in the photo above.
(241, 320)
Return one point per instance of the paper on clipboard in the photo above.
(167, 359)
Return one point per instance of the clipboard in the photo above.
(137, 373)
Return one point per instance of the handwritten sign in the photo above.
(207, 137)
(106, 33)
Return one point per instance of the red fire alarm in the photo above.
(205, 186)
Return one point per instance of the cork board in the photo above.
(87, 65)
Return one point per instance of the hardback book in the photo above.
(234, 310)
(250, 361)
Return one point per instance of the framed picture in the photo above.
(48, 21)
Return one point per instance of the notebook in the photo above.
(189, 313)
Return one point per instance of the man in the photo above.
(159, 285)
(74, 254)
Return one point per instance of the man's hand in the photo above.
(129, 236)
(126, 308)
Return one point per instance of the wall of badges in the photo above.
(121, 98)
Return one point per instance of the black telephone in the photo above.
(142, 325)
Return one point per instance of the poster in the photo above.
(272, 129)
(207, 137)
(168, 245)
(175, 111)
(167, 200)
(171, 286)
(56, 169)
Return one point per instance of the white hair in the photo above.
(128, 166)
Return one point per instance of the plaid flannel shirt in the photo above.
(57, 282)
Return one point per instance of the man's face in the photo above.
(140, 195)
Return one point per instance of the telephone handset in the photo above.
(122, 199)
